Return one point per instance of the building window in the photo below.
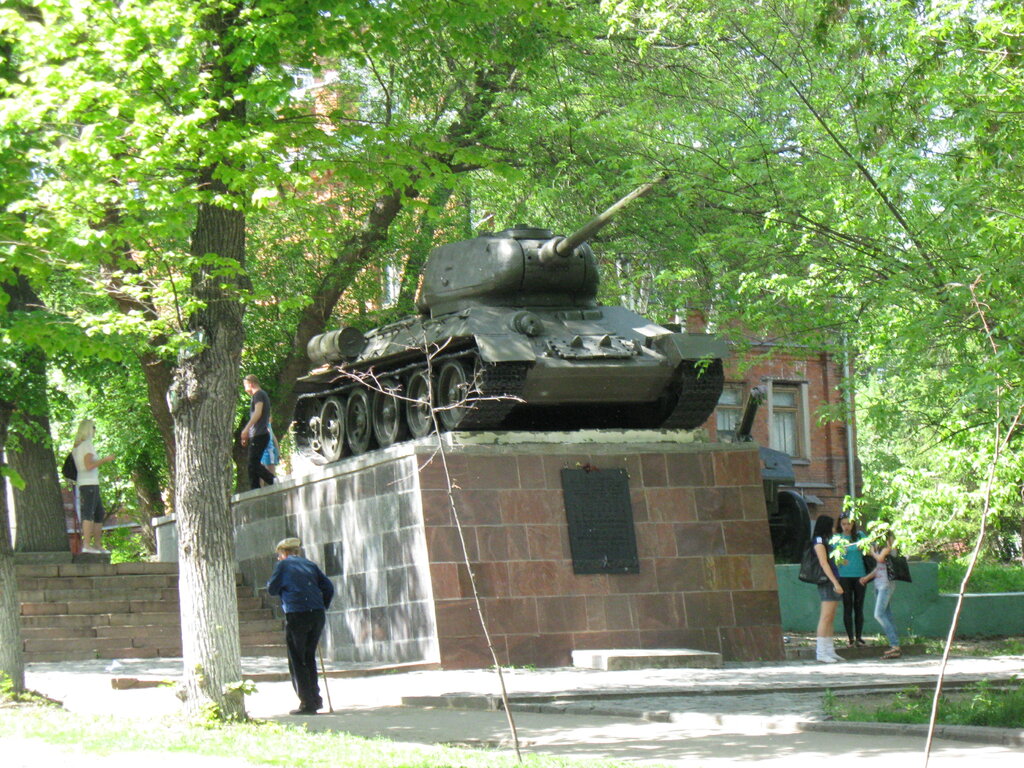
(787, 418)
(728, 412)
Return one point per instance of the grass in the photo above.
(986, 578)
(971, 646)
(978, 704)
(259, 743)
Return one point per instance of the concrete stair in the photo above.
(646, 658)
(81, 610)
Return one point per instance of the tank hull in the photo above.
(551, 368)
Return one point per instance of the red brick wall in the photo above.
(706, 580)
(825, 473)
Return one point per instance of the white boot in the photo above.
(822, 654)
(830, 649)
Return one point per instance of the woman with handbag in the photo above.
(884, 586)
(851, 569)
(830, 591)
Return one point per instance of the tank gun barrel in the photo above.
(563, 246)
(756, 397)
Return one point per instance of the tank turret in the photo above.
(521, 266)
(510, 336)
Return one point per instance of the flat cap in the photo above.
(292, 543)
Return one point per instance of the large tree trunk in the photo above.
(203, 397)
(12, 661)
(205, 391)
(38, 508)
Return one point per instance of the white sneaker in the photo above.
(830, 650)
(90, 551)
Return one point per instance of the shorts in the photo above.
(828, 593)
(90, 505)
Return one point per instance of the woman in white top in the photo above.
(90, 505)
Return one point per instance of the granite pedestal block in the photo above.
(409, 532)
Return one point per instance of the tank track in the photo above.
(497, 388)
(495, 392)
(698, 395)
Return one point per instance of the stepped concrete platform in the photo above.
(646, 658)
(90, 609)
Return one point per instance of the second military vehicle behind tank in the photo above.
(509, 336)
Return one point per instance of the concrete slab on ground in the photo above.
(646, 658)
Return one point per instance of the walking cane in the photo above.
(323, 674)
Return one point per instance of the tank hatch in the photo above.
(526, 232)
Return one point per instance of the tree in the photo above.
(38, 507)
(840, 178)
(160, 125)
(12, 663)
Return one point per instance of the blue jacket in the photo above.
(301, 585)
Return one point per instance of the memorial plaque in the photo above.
(600, 516)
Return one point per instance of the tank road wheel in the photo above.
(790, 527)
(358, 422)
(388, 424)
(417, 405)
(452, 389)
(331, 429)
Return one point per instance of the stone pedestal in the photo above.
(165, 530)
(383, 528)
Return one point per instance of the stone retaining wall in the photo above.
(919, 609)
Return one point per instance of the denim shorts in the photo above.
(828, 593)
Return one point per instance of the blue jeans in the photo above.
(883, 612)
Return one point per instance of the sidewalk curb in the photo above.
(520, 700)
(574, 704)
(1006, 737)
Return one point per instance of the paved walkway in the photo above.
(768, 713)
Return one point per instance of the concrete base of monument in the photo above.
(607, 539)
(619, 659)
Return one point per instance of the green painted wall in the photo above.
(918, 607)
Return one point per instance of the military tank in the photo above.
(509, 335)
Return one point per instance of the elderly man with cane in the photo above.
(306, 594)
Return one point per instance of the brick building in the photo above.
(797, 388)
